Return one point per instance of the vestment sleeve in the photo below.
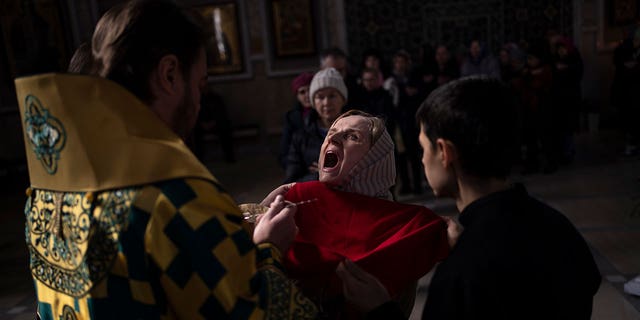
(207, 264)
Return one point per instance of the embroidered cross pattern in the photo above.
(45, 133)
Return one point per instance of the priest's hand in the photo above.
(360, 287)
(281, 190)
(277, 225)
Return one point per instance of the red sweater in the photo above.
(397, 243)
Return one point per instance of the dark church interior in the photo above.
(573, 65)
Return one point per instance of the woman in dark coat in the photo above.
(295, 118)
(566, 93)
(625, 88)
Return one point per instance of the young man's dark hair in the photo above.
(131, 38)
(483, 133)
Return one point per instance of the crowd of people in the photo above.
(545, 75)
(123, 221)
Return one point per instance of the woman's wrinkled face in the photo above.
(348, 141)
(328, 102)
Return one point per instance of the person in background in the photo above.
(374, 99)
(444, 69)
(505, 63)
(295, 118)
(500, 267)
(425, 64)
(480, 61)
(566, 95)
(515, 74)
(213, 118)
(512, 62)
(135, 226)
(396, 83)
(402, 99)
(540, 123)
(408, 160)
(372, 59)
(625, 89)
(336, 58)
(328, 95)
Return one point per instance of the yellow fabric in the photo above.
(192, 236)
(112, 139)
(123, 222)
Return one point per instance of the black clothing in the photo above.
(406, 121)
(293, 122)
(387, 311)
(355, 92)
(213, 118)
(625, 88)
(566, 91)
(304, 151)
(539, 126)
(378, 103)
(516, 259)
(626, 81)
(437, 75)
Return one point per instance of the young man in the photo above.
(517, 258)
(123, 222)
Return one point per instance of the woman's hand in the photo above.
(360, 287)
(454, 230)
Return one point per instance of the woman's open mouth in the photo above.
(330, 160)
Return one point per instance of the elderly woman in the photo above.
(348, 215)
(328, 95)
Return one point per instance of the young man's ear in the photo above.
(448, 152)
(167, 75)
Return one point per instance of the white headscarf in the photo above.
(375, 173)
